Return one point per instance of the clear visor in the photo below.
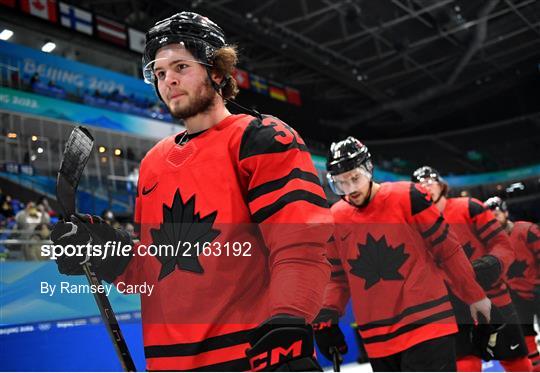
(427, 181)
(151, 74)
(350, 181)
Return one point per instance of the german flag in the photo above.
(277, 93)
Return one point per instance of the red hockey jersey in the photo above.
(523, 273)
(244, 204)
(386, 256)
(480, 234)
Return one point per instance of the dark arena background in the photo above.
(452, 84)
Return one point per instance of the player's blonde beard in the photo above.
(202, 101)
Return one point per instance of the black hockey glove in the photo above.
(328, 333)
(282, 343)
(84, 229)
(488, 271)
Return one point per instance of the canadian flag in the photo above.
(45, 9)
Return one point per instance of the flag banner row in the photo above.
(85, 22)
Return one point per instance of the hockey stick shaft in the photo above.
(76, 155)
(336, 358)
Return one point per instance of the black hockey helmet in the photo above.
(496, 203)
(347, 155)
(198, 34)
(424, 173)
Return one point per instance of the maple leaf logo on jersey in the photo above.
(517, 269)
(181, 224)
(378, 261)
(532, 237)
(469, 249)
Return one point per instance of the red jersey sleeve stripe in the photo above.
(406, 312)
(274, 185)
(232, 357)
(410, 319)
(431, 230)
(495, 232)
(408, 328)
(195, 348)
(239, 365)
(297, 195)
(442, 237)
(424, 333)
(482, 229)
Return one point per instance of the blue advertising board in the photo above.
(74, 77)
(47, 107)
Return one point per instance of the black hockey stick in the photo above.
(76, 155)
(336, 358)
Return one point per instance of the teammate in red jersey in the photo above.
(386, 251)
(240, 195)
(522, 276)
(491, 253)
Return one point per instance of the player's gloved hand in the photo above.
(84, 229)
(328, 333)
(481, 309)
(484, 335)
(488, 271)
(282, 343)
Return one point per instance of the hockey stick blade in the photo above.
(76, 156)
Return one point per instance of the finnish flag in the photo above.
(76, 18)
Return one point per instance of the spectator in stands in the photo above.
(44, 206)
(109, 218)
(26, 222)
(130, 228)
(34, 79)
(29, 218)
(6, 208)
(32, 251)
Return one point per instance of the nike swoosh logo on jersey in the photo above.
(514, 347)
(148, 191)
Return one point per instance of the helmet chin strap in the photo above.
(438, 198)
(218, 87)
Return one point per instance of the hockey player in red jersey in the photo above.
(387, 251)
(489, 249)
(242, 198)
(522, 276)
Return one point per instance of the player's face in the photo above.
(501, 216)
(182, 82)
(354, 184)
(433, 187)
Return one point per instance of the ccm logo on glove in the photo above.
(273, 357)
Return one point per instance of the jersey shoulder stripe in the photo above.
(267, 136)
(276, 184)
